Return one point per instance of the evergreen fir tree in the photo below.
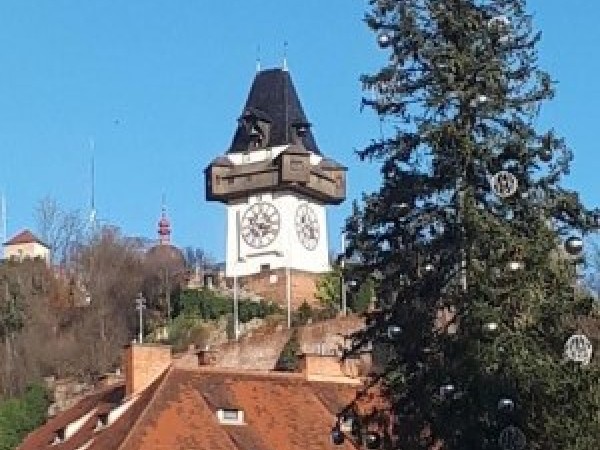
(476, 293)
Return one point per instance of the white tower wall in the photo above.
(286, 250)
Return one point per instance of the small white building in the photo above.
(25, 245)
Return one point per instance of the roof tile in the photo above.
(273, 98)
(178, 412)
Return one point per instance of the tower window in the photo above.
(296, 165)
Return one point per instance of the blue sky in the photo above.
(158, 85)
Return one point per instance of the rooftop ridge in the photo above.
(153, 389)
(243, 372)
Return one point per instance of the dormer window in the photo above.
(230, 416)
(255, 134)
(102, 421)
(59, 436)
(300, 130)
(257, 127)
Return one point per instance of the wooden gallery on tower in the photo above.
(275, 184)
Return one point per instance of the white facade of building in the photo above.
(290, 246)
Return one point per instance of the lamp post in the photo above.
(288, 281)
(236, 313)
(140, 305)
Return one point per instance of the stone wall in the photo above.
(272, 285)
(328, 337)
(260, 349)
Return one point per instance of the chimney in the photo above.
(144, 363)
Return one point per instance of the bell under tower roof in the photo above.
(272, 115)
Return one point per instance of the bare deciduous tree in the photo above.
(46, 327)
(61, 229)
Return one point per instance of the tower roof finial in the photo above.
(285, 47)
(257, 58)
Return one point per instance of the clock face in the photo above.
(307, 226)
(260, 224)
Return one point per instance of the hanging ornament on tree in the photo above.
(574, 245)
(578, 348)
(394, 332)
(513, 266)
(337, 437)
(512, 438)
(545, 155)
(490, 328)
(595, 219)
(448, 391)
(504, 184)
(506, 405)
(428, 268)
(480, 99)
(499, 22)
(537, 194)
(402, 209)
(500, 25)
(384, 39)
(372, 440)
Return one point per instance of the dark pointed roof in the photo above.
(273, 99)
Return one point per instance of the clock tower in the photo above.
(275, 183)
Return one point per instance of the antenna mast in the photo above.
(3, 223)
(285, 94)
(285, 49)
(93, 186)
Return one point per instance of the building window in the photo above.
(230, 180)
(273, 278)
(59, 436)
(230, 416)
(102, 421)
(265, 267)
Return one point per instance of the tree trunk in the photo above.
(7, 367)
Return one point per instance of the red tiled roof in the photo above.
(43, 436)
(282, 411)
(25, 237)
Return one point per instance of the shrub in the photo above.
(288, 359)
(21, 415)
(206, 304)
